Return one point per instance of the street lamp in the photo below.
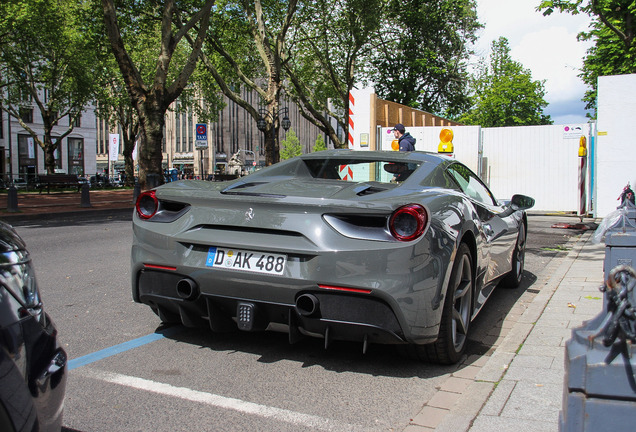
(261, 124)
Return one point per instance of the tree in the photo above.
(423, 56)
(327, 52)
(613, 31)
(245, 48)
(320, 144)
(290, 146)
(504, 94)
(48, 62)
(114, 105)
(151, 94)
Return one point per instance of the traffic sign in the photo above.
(201, 142)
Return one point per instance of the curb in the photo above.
(18, 218)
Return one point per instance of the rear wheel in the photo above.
(513, 279)
(456, 315)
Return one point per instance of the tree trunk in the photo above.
(130, 131)
(129, 167)
(150, 154)
(49, 152)
(272, 150)
(49, 157)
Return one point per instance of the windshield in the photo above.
(360, 170)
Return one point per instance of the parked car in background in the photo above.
(32, 364)
(375, 247)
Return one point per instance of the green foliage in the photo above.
(44, 48)
(330, 45)
(613, 31)
(320, 144)
(245, 52)
(156, 46)
(504, 94)
(48, 62)
(290, 146)
(422, 59)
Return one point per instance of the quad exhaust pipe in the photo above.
(307, 305)
(187, 289)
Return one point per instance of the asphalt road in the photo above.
(190, 379)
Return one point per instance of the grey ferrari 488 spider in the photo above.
(382, 247)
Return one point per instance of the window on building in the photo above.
(121, 141)
(76, 156)
(1, 123)
(163, 141)
(190, 131)
(26, 114)
(27, 162)
(177, 131)
(102, 136)
(78, 120)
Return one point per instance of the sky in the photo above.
(547, 46)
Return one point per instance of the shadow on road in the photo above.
(342, 356)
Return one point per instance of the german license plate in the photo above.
(244, 260)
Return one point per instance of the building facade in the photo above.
(22, 158)
(86, 150)
(235, 130)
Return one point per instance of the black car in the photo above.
(32, 364)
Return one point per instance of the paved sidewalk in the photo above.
(520, 386)
(35, 205)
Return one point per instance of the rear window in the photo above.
(360, 170)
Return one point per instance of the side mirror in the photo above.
(521, 202)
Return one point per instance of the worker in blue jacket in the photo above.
(406, 141)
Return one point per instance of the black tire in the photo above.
(513, 279)
(456, 315)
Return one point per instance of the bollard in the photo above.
(86, 196)
(136, 192)
(12, 200)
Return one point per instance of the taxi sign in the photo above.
(201, 142)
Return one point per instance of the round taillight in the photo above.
(147, 205)
(408, 222)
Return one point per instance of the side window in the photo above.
(470, 184)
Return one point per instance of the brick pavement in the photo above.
(36, 204)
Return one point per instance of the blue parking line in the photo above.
(122, 347)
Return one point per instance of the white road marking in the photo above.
(296, 418)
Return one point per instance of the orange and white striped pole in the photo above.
(352, 104)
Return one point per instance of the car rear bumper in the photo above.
(309, 310)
